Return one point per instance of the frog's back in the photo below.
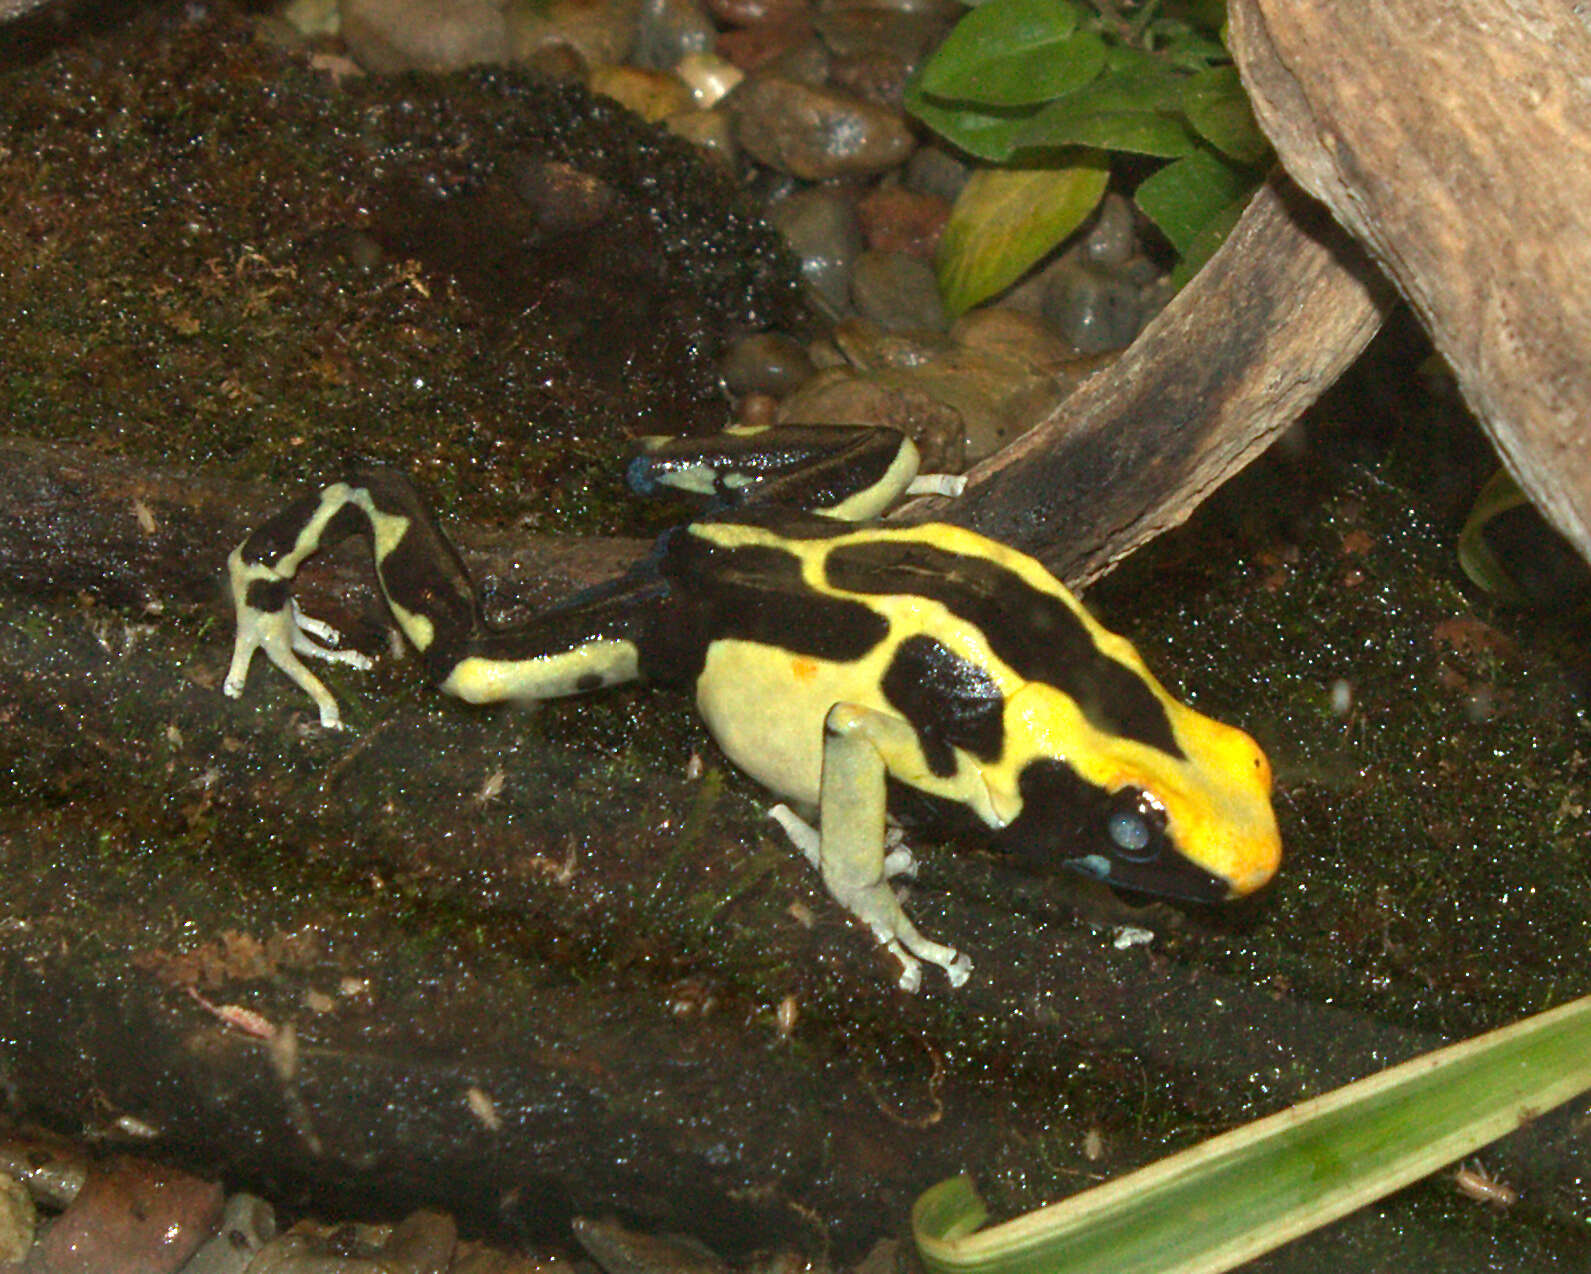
(950, 609)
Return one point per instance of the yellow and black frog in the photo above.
(861, 671)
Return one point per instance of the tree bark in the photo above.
(1453, 139)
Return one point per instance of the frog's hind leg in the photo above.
(431, 597)
(260, 573)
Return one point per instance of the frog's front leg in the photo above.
(860, 746)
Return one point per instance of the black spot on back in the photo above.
(949, 701)
(1036, 634)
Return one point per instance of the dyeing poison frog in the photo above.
(863, 672)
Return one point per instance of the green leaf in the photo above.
(1134, 105)
(1210, 236)
(1485, 569)
(1014, 52)
(986, 134)
(1018, 77)
(1135, 79)
(1140, 132)
(1007, 218)
(1248, 1191)
(1193, 50)
(1216, 105)
(1182, 197)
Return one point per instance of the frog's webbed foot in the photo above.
(859, 747)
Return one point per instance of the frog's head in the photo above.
(1191, 821)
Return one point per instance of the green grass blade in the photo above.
(1235, 1196)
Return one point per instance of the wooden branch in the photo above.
(1453, 138)
(1258, 335)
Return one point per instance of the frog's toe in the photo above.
(310, 684)
(801, 833)
(900, 861)
(317, 628)
(311, 636)
(913, 951)
(957, 967)
(911, 970)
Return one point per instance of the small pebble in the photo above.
(386, 36)
(867, 346)
(603, 31)
(51, 1168)
(821, 227)
(1014, 335)
(558, 62)
(619, 1250)
(816, 133)
(247, 1225)
(305, 1254)
(709, 130)
(787, 46)
(766, 363)
(422, 1243)
(708, 76)
(898, 292)
(854, 31)
(668, 30)
(754, 13)
(895, 219)
(653, 95)
(932, 170)
(873, 75)
(131, 1217)
(1111, 240)
(947, 11)
(481, 1260)
(1094, 311)
(18, 1219)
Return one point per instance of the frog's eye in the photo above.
(1128, 833)
(1135, 826)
